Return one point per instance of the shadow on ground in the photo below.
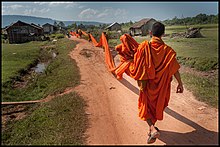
(199, 136)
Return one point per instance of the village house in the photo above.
(114, 27)
(21, 32)
(142, 27)
(49, 28)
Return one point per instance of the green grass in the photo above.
(61, 73)
(18, 56)
(61, 121)
(204, 89)
(201, 50)
(178, 29)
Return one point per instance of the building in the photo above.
(142, 27)
(49, 28)
(114, 27)
(21, 32)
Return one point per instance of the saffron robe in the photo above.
(152, 65)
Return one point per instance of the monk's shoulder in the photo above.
(168, 47)
(142, 45)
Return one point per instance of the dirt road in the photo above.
(113, 111)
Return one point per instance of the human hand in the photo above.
(179, 88)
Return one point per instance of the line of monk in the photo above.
(153, 64)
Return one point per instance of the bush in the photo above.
(114, 35)
(58, 36)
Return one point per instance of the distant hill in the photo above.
(9, 19)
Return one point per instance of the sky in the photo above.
(109, 11)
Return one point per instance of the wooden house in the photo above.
(21, 32)
(49, 28)
(142, 27)
(114, 27)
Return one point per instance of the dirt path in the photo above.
(113, 112)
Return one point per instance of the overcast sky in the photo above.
(109, 11)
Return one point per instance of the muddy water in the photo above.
(42, 66)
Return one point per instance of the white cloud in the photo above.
(88, 13)
(44, 10)
(80, 7)
(101, 15)
(54, 4)
(40, 3)
(14, 7)
(71, 5)
(36, 11)
(107, 13)
(121, 12)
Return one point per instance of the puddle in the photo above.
(40, 68)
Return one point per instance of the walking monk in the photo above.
(152, 64)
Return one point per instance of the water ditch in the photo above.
(41, 66)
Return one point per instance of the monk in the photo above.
(153, 65)
(80, 33)
(89, 37)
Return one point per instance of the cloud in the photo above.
(40, 3)
(44, 10)
(71, 5)
(112, 13)
(101, 15)
(105, 14)
(121, 12)
(88, 13)
(80, 7)
(36, 11)
(54, 4)
(14, 7)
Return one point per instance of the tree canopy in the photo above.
(198, 19)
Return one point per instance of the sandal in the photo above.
(152, 137)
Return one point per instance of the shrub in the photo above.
(58, 36)
(52, 35)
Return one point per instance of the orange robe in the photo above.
(152, 65)
(103, 43)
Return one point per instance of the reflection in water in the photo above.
(40, 67)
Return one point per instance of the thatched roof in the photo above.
(141, 23)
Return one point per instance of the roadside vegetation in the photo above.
(38, 86)
(61, 121)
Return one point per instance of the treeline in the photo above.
(198, 19)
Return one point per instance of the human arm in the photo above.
(180, 84)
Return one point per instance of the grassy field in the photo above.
(46, 83)
(12, 55)
(61, 121)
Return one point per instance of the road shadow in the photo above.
(199, 136)
(129, 86)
